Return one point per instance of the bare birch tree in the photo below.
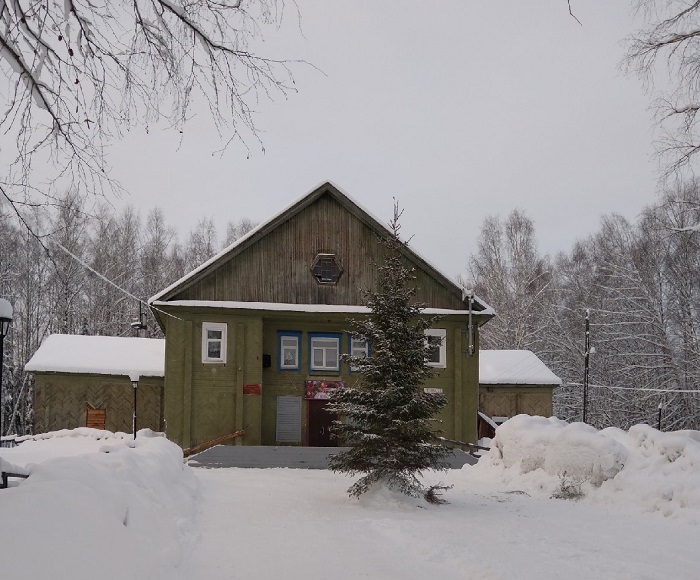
(508, 272)
(77, 74)
(667, 49)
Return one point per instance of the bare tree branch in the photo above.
(78, 74)
(668, 49)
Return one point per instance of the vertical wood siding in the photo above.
(276, 268)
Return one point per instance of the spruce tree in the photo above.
(386, 417)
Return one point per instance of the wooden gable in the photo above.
(274, 263)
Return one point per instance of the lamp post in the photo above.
(135, 384)
(586, 356)
(5, 320)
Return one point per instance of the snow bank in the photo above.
(96, 504)
(645, 468)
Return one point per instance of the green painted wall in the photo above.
(60, 401)
(204, 401)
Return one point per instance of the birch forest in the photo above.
(49, 270)
(641, 281)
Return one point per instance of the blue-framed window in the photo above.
(289, 350)
(324, 351)
(359, 347)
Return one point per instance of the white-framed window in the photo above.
(214, 342)
(359, 347)
(436, 340)
(289, 350)
(324, 352)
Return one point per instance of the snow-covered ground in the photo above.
(137, 512)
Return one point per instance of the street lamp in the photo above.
(588, 351)
(135, 384)
(5, 320)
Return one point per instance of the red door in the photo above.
(319, 425)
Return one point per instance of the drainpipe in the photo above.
(470, 327)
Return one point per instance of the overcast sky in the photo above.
(458, 108)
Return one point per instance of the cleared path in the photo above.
(291, 457)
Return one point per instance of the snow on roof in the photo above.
(285, 307)
(514, 367)
(100, 355)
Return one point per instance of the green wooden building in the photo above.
(254, 335)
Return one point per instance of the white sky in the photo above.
(459, 109)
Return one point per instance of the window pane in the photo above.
(331, 358)
(289, 357)
(359, 347)
(434, 343)
(318, 357)
(214, 349)
(214, 334)
(325, 343)
(289, 341)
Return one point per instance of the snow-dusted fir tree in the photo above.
(386, 417)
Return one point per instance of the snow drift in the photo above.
(117, 510)
(655, 471)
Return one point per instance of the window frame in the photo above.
(442, 351)
(216, 326)
(367, 349)
(325, 336)
(281, 335)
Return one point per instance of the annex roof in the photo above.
(297, 206)
(514, 367)
(100, 355)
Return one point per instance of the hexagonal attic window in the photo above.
(326, 269)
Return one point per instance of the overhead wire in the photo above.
(110, 282)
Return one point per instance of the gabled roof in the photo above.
(514, 367)
(100, 355)
(287, 213)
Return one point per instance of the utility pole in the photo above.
(139, 325)
(587, 353)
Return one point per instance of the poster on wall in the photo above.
(320, 389)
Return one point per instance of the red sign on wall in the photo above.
(252, 389)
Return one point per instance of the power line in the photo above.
(636, 388)
(102, 277)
